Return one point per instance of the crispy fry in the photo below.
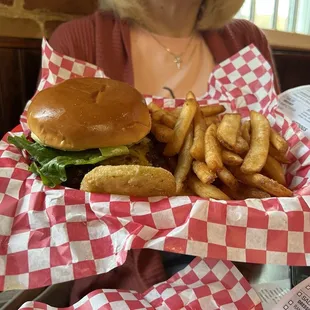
(153, 107)
(245, 192)
(184, 162)
(213, 156)
(186, 191)
(278, 142)
(256, 158)
(228, 130)
(162, 116)
(168, 120)
(252, 192)
(206, 190)
(231, 159)
(262, 182)
(241, 146)
(230, 193)
(176, 112)
(212, 120)
(156, 111)
(161, 132)
(274, 170)
(228, 179)
(203, 172)
(181, 128)
(245, 131)
(198, 147)
(278, 156)
(213, 109)
(190, 95)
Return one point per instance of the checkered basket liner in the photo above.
(49, 235)
(204, 284)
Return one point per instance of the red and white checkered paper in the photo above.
(55, 235)
(204, 284)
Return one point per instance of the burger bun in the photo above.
(88, 113)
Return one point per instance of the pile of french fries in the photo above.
(220, 156)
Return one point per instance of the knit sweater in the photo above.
(104, 40)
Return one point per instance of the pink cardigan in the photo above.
(104, 40)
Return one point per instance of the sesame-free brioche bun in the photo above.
(86, 113)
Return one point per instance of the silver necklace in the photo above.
(177, 58)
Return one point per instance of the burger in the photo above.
(94, 134)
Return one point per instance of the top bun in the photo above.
(86, 113)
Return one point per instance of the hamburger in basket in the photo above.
(98, 135)
(84, 123)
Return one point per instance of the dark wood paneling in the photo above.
(10, 88)
(293, 68)
(19, 67)
(20, 43)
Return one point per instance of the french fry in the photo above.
(228, 130)
(278, 142)
(213, 156)
(203, 172)
(278, 156)
(213, 109)
(241, 146)
(245, 192)
(228, 178)
(252, 192)
(211, 120)
(256, 157)
(231, 159)
(176, 112)
(161, 132)
(190, 95)
(161, 115)
(198, 147)
(168, 120)
(153, 107)
(184, 162)
(181, 128)
(274, 170)
(156, 111)
(262, 182)
(230, 193)
(206, 190)
(186, 191)
(245, 131)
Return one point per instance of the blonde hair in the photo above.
(214, 13)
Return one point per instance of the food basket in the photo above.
(55, 235)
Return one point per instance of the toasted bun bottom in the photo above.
(132, 180)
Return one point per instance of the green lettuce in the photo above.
(50, 164)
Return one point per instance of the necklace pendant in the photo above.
(178, 61)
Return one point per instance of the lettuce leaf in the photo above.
(50, 164)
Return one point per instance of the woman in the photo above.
(160, 47)
(146, 41)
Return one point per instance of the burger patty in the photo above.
(147, 153)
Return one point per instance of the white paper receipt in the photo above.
(295, 104)
(297, 299)
(271, 293)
